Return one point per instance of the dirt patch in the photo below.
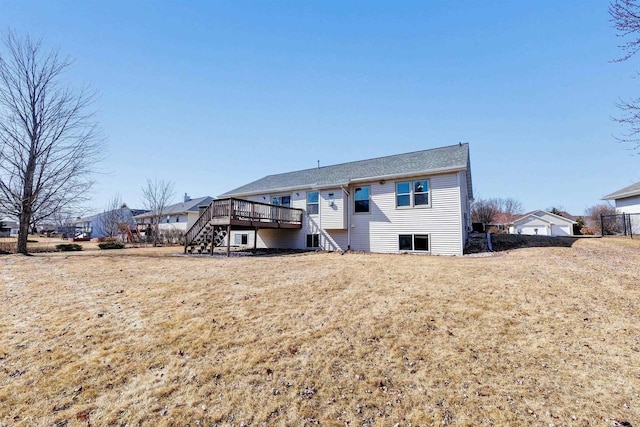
(505, 242)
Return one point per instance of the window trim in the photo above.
(316, 203)
(355, 200)
(413, 242)
(412, 194)
(315, 240)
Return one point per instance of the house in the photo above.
(627, 202)
(542, 223)
(106, 224)
(8, 228)
(412, 202)
(178, 217)
(627, 199)
(500, 223)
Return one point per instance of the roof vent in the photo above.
(186, 197)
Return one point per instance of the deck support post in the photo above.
(228, 240)
(255, 239)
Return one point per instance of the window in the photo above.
(177, 218)
(361, 199)
(420, 192)
(403, 194)
(281, 201)
(412, 193)
(241, 239)
(313, 240)
(312, 203)
(413, 242)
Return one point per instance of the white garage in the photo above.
(542, 223)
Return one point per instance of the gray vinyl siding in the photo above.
(378, 230)
(628, 205)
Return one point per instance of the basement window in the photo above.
(241, 239)
(313, 240)
(413, 242)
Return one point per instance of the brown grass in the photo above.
(538, 336)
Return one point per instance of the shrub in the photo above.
(111, 245)
(68, 247)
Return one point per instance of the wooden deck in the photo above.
(244, 214)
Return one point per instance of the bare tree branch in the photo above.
(155, 198)
(49, 141)
(115, 219)
(625, 17)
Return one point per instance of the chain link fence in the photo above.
(620, 224)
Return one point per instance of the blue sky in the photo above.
(213, 95)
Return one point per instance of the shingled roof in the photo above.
(190, 205)
(436, 160)
(630, 191)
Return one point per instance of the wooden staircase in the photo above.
(210, 237)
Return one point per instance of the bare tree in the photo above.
(115, 219)
(485, 211)
(510, 208)
(625, 16)
(155, 198)
(48, 140)
(593, 214)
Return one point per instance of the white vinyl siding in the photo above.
(333, 216)
(378, 232)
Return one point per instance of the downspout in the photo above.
(348, 208)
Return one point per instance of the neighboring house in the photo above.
(627, 200)
(542, 223)
(179, 216)
(501, 223)
(8, 228)
(413, 202)
(98, 226)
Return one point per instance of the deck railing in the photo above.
(228, 210)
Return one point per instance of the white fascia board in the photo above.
(314, 187)
(407, 175)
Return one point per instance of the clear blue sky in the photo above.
(213, 95)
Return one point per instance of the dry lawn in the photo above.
(538, 336)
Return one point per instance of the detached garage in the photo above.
(542, 223)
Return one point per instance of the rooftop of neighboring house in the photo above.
(7, 223)
(565, 216)
(630, 191)
(427, 162)
(502, 219)
(187, 205)
(127, 210)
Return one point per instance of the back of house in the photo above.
(411, 202)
